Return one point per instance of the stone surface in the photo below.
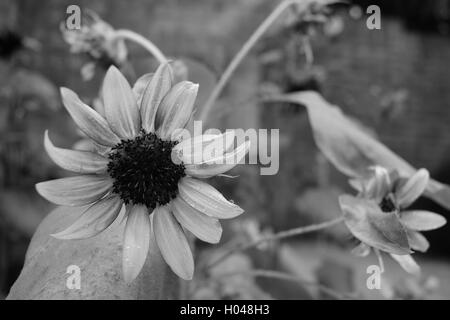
(44, 275)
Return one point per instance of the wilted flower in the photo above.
(377, 216)
(98, 40)
(135, 135)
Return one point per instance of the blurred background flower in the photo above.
(98, 40)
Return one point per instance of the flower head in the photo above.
(98, 40)
(377, 216)
(136, 135)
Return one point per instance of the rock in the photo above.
(44, 275)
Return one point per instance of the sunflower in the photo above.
(141, 165)
(379, 218)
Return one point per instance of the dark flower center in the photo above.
(388, 204)
(143, 171)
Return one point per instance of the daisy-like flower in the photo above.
(377, 216)
(98, 40)
(137, 139)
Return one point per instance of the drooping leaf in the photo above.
(352, 150)
(370, 225)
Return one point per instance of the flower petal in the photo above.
(172, 243)
(98, 106)
(439, 193)
(357, 184)
(202, 226)
(379, 184)
(422, 220)
(102, 150)
(204, 147)
(153, 94)
(75, 191)
(361, 250)
(204, 198)
(136, 241)
(220, 164)
(94, 220)
(88, 120)
(417, 241)
(370, 225)
(176, 109)
(407, 263)
(407, 193)
(84, 145)
(121, 108)
(140, 85)
(77, 161)
(192, 148)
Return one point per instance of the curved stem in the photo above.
(277, 236)
(242, 53)
(143, 42)
(288, 277)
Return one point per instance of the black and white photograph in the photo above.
(226, 155)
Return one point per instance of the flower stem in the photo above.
(271, 274)
(143, 42)
(259, 32)
(380, 260)
(277, 236)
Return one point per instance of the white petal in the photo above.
(202, 226)
(417, 241)
(153, 94)
(88, 120)
(102, 150)
(361, 250)
(75, 191)
(439, 193)
(98, 106)
(204, 147)
(379, 184)
(204, 198)
(413, 188)
(84, 145)
(407, 263)
(136, 242)
(77, 161)
(94, 220)
(422, 220)
(172, 243)
(121, 108)
(140, 85)
(218, 165)
(176, 109)
(357, 184)
(192, 148)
